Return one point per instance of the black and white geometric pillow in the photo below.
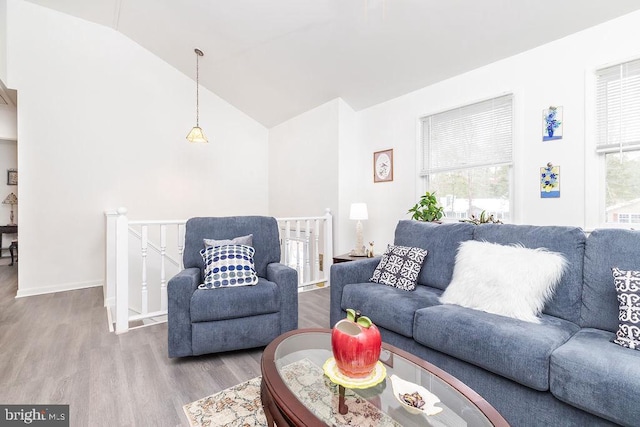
(399, 267)
(627, 285)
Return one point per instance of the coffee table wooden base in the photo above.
(283, 407)
(271, 411)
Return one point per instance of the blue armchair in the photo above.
(202, 321)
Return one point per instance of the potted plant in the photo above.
(482, 219)
(427, 208)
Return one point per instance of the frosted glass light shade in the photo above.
(358, 211)
(197, 135)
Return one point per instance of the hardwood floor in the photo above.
(57, 349)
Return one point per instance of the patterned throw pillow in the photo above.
(227, 266)
(399, 267)
(627, 285)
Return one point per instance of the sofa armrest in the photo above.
(179, 290)
(343, 274)
(287, 280)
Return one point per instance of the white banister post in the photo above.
(181, 231)
(287, 239)
(144, 291)
(328, 243)
(163, 278)
(110, 260)
(316, 250)
(122, 272)
(307, 249)
(298, 261)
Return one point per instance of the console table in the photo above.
(346, 258)
(7, 229)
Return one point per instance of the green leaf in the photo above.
(364, 321)
(351, 314)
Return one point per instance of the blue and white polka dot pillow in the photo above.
(227, 266)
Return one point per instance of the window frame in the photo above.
(423, 178)
(595, 162)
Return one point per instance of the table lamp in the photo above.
(11, 199)
(359, 213)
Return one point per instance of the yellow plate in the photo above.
(376, 377)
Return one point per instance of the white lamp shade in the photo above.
(197, 135)
(358, 211)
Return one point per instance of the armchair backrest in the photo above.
(266, 240)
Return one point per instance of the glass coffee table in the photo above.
(296, 392)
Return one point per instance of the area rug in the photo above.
(241, 405)
(236, 406)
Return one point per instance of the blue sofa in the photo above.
(564, 371)
(202, 321)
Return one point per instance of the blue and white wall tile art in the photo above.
(550, 181)
(552, 123)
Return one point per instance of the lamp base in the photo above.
(359, 250)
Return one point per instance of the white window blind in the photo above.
(618, 108)
(472, 136)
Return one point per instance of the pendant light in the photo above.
(197, 134)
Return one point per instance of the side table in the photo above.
(346, 258)
(7, 229)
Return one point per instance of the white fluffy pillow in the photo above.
(512, 281)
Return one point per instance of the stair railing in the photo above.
(133, 296)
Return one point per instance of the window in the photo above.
(618, 139)
(467, 158)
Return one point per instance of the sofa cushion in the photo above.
(228, 266)
(509, 280)
(605, 249)
(241, 240)
(388, 307)
(627, 283)
(441, 241)
(207, 305)
(568, 241)
(399, 267)
(598, 376)
(508, 347)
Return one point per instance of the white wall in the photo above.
(3, 40)
(350, 182)
(312, 166)
(8, 123)
(101, 124)
(553, 74)
(303, 163)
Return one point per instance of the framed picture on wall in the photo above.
(12, 177)
(383, 166)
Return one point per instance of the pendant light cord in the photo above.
(197, 88)
(199, 53)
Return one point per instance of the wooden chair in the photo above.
(13, 247)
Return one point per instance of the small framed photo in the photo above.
(12, 177)
(383, 166)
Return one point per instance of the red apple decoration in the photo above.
(356, 344)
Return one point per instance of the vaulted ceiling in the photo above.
(276, 59)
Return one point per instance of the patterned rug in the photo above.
(236, 406)
(241, 406)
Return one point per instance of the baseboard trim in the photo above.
(57, 288)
